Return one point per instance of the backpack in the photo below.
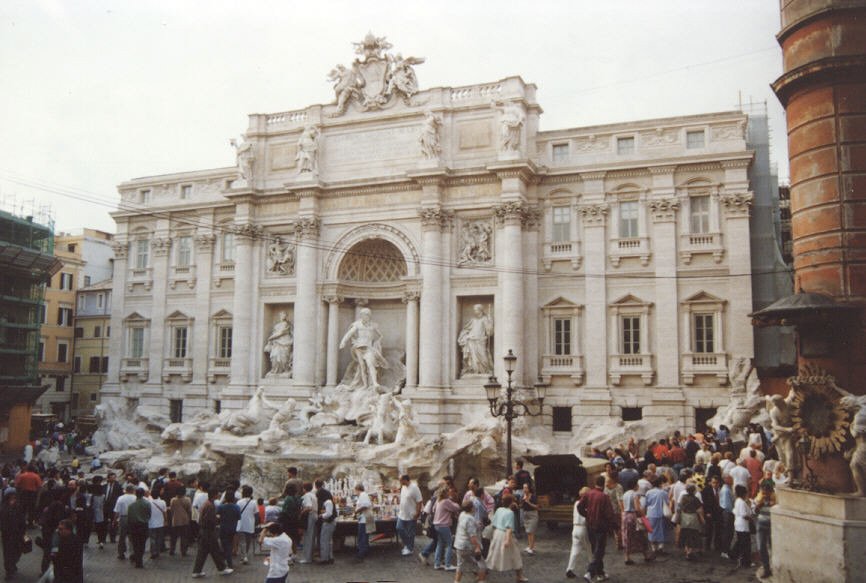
(290, 515)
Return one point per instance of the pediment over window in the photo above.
(135, 317)
(630, 300)
(222, 315)
(178, 316)
(561, 302)
(703, 297)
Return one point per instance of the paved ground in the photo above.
(386, 565)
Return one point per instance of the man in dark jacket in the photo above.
(13, 525)
(208, 543)
(138, 517)
(68, 555)
(113, 491)
(712, 513)
(596, 507)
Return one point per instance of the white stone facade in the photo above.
(614, 260)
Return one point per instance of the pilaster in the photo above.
(246, 236)
(307, 230)
(594, 218)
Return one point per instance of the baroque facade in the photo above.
(614, 260)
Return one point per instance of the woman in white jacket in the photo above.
(578, 537)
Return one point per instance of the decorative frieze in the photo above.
(664, 209)
(280, 258)
(593, 215)
(476, 243)
(308, 227)
(161, 246)
(738, 204)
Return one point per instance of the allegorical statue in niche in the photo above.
(475, 243)
(366, 350)
(510, 125)
(279, 346)
(308, 149)
(429, 138)
(244, 157)
(784, 437)
(474, 341)
(281, 257)
(857, 405)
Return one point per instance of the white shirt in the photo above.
(122, 504)
(746, 453)
(742, 512)
(281, 550)
(197, 502)
(248, 509)
(704, 457)
(410, 497)
(363, 502)
(157, 513)
(726, 466)
(740, 476)
(327, 509)
(310, 501)
(677, 490)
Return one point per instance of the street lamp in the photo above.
(511, 408)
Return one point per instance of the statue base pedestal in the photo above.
(830, 528)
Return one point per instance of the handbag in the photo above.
(487, 533)
(646, 524)
(667, 511)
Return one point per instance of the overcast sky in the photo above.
(97, 92)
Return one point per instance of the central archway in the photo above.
(374, 261)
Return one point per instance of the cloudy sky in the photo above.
(98, 92)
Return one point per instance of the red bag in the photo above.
(646, 524)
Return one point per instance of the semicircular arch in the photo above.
(356, 235)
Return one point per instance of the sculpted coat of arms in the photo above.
(374, 78)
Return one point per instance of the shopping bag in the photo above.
(646, 524)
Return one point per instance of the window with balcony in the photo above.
(630, 334)
(228, 248)
(703, 351)
(630, 350)
(694, 139)
(625, 145)
(179, 338)
(561, 351)
(141, 252)
(225, 342)
(561, 336)
(136, 342)
(561, 224)
(183, 253)
(560, 153)
(628, 219)
(219, 364)
(699, 214)
(703, 326)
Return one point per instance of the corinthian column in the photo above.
(242, 308)
(306, 304)
(333, 350)
(509, 329)
(411, 301)
(433, 220)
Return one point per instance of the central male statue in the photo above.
(366, 350)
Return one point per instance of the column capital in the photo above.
(244, 231)
(593, 215)
(664, 210)
(334, 299)
(361, 302)
(161, 246)
(411, 296)
(205, 242)
(121, 249)
(435, 217)
(308, 227)
(517, 212)
(737, 204)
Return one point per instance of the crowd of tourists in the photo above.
(701, 492)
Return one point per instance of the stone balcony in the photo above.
(630, 247)
(134, 369)
(621, 365)
(223, 271)
(140, 275)
(561, 251)
(696, 243)
(218, 367)
(704, 363)
(182, 274)
(562, 365)
(181, 367)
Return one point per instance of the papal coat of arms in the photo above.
(374, 78)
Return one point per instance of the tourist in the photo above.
(290, 515)
(67, 555)
(13, 528)
(690, 518)
(521, 476)
(529, 515)
(172, 487)
(121, 519)
(27, 484)
(712, 513)
(741, 475)
(657, 500)
(113, 491)
(780, 474)
(366, 521)
(480, 514)
(742, 549)
(504, 554)
(279, 545)
(229, 515)
(208, 543)
(246, 526)
(408, 513)
(596, 508)
(82, 506)
(628, 475)
(197, 493)
(467, 543)
(293, 478)
(309, 516)
(713, 469)
(578, 535)
(97, 504)
(726, 505)
(138, 518)
(756, 472)
(328, 517)
(471, 487)
(615, 492)
(444, 511)
(272, 511)
(727, 463)
(156, 524)
(181, 514)
(634, 536)
(704, 456)
(765, 500)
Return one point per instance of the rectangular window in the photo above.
(625, 145)
(62, 351)
(561, 224)
(104, 364)
(695, 140)
(141, 253)
(699, 214)
(144, 196)
(82, 303)
(185, 191)
(64, 316)
(41, 351)
(228, 248)
(94, 364)
(632, 413)
(100, 301)
(79, 333)
(71, 247)
(562, 419)
(43, 314)
(136, 342)
(628, 221)
(184, 251)
(87, 280)
(92, 397)
(562, 336)
(704, 337)
(65, 281)
(97, 331)
(175, 410)
(225, 342)
(630, 334)
(108, 331)
(178, 343)
(59, 383)
(217, 406)
(560, 153)
(76, 364)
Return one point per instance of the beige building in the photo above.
(614, 259)
(92, 338)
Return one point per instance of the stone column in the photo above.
(411, 301)
(202, 343)
(118, 295)
(244, 346)
(433, 220)
(333, 340)
(737, 207)
(531, 252)
(595, 252)
(666, 333)
(509, 328)
(160, 247)
(306, 304)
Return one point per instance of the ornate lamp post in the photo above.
(511, 408)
